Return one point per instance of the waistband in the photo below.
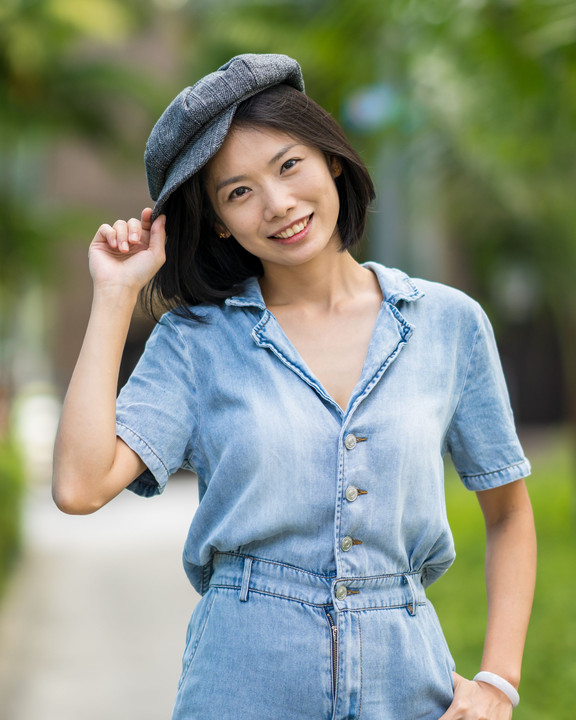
(250, 574)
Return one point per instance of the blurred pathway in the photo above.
(94, 622)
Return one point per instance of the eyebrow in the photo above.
(240, 178)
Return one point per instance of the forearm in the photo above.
(510, 580)
(86, 440)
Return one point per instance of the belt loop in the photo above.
(246, 579)
(413, 607)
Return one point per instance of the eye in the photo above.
(289, 164)
(238, 192)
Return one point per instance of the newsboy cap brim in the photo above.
(194, 126)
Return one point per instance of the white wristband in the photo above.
(499, 682)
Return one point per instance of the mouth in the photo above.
(293, 232)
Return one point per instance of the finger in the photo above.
(134, 228)
(146, 218)
(121, 227)
(107, 234)
(451, 714)
(158, 234)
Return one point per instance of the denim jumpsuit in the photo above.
(318, 527)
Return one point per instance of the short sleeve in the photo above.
(156, 413)
(482, 438)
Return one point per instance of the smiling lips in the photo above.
(293, 231)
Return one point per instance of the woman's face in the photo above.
(275, 195)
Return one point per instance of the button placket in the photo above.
(350, 441)
(348, 542)
(341, 592)
(351, 493)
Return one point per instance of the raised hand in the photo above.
(129, 253)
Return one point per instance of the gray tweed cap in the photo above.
(195, 124)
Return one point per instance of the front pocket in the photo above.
(435, 623)
(195, 631)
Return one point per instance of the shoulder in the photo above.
(213, 328)
(175, 329)
(453, 318)
(418, 296)
(449, 314)
(446, 298)
(185, 318)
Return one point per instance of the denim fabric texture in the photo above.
(318, 527)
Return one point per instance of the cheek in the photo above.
(321, 183)
(240, 225)
(243, 225)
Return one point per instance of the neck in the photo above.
(322, 283)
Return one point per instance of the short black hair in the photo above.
(202, 268)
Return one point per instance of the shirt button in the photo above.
(351, 493)
(350, 441)
(346, 543)
(341, 592)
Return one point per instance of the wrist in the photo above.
(500, 683)
(113, 295)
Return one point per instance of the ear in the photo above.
(335, 167)
(221, 230)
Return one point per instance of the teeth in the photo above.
(292, 230)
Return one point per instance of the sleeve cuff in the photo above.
(496, 478)
(153, 480)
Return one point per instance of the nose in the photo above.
(278, 202)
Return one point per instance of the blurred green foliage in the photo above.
(487, 88)
(548, 688)
(11, 493)
(56, 80)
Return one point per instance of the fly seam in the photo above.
(361, 675)
(333, 651)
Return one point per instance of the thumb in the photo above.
(158, 233)
(458, 679)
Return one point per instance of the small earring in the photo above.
(223, 235)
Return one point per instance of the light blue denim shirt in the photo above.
(284, 473)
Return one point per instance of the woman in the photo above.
(315, 398)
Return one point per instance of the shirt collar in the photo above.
(251, 295)
(395, 286)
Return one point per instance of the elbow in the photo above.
(68, 499)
